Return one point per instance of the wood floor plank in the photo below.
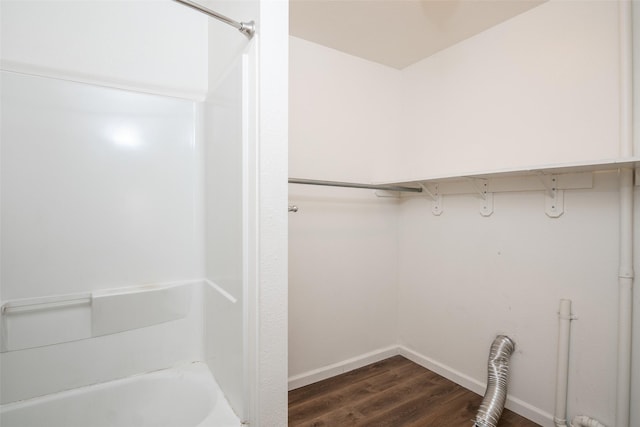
(325, 386)
(459, 410)
(348, 395)
(421, 409)
(428, 385)
(392, 393)
(352, 394)
(364, 408)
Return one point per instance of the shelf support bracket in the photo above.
(550, 183)
(554, 197)
(554, 203)
(481, 186)
(486, 198)
(486, 205)
(436, 197)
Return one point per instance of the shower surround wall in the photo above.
(510, 97)
(103, 187)
(225, 235)
(179, 58)
(89, 202)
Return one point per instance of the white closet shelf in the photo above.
(550, 169)
(551, 179)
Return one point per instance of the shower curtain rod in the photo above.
(246, 28)
(354, 185)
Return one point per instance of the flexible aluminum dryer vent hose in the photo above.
(496, 394)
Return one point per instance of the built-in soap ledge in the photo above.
(37, 322)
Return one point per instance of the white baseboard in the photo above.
(514, 404)
(332, 370)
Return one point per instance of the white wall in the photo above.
(267, 256)
(266, 137)
(540, 88)
(88, 203)
(101, 187)
(225, 43)
(120, 142)
(104, 42)
(87, 194)
(516, 96)
(342, 276)
(343, 121)
(179, 53)
(342, 245)
(537, 89)
(225, 234)
(259, 231)
(464, 278)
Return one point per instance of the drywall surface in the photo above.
(154, 46)
(513, 96)
(540, 88)
(342, 275)
(342, 242)
(464, 278)
(344, 115)
(268, 217)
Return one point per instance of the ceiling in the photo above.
(397, 33)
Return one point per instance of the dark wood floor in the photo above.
(395, 393)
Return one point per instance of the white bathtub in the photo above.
(186, 396)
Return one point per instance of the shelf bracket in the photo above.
(435, 196)
(550, 183)
(481, 186)
(486, 205)
(554, 203)
(486, 198)
(427, 191)
(554, 198)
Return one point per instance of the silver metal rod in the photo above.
(246, 28)
(354, 185)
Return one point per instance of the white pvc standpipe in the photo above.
(562, 366)
(625, 300)
(625, 275)
(562, 373)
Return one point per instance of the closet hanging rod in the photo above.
(246, 28)
(354, 185)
